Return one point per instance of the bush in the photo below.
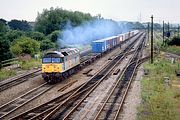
(26, 65)
(174, 41)
(25, 45)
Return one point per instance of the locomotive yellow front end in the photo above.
(52, 67)
(59, 65)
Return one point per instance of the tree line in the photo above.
(18, 37)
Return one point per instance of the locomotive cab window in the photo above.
(46, 60)
(56, 60)
(52, 60)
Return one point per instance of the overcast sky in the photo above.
(121, 10)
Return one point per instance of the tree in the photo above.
(56, 19)
(54, 36)
(46, 44)
(3, 21)
(25, 45)
(4, 48)
(19, 25)
(157, 26)
(11, 35)
(36, 35)
(175, 41)
(135, 25)
(3, 27)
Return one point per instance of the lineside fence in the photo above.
(9, 64)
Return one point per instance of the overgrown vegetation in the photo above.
(24, 45)
(172, 45)
(158, 101)
(4, 74)
(175, 41)
(26, 65)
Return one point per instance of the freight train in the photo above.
(57, 65)
(100, 46)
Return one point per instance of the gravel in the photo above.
(93, 102)
(22, 88)
(133, 98)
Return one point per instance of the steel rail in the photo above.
(54, 111)
(64, 98)
(16, 103)
(118, 83)
(6, 84)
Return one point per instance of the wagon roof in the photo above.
(105, 39)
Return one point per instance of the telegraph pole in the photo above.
(152, 39)
(168, 27)
(148, 31)
(163, 32)
(178, 30)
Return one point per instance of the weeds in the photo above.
(4, 74)
(157, 99)
(26, 65)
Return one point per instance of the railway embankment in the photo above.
(160, 90)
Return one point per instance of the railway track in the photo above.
(20, 101)
(16, 103)
(6, 84)
(74, 109)
(64, 102)
(112, 105)
(41, 111)
(86, 58)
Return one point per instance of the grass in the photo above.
(171, 49)
(174, 49)
(159, 101)
(4, 74)
(26, 65)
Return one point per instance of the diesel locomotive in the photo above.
(57, 65)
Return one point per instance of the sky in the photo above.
(120, 10)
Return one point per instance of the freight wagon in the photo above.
(100, 46)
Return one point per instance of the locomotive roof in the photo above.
(69, 51)
(105, 39)
(62, 52)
